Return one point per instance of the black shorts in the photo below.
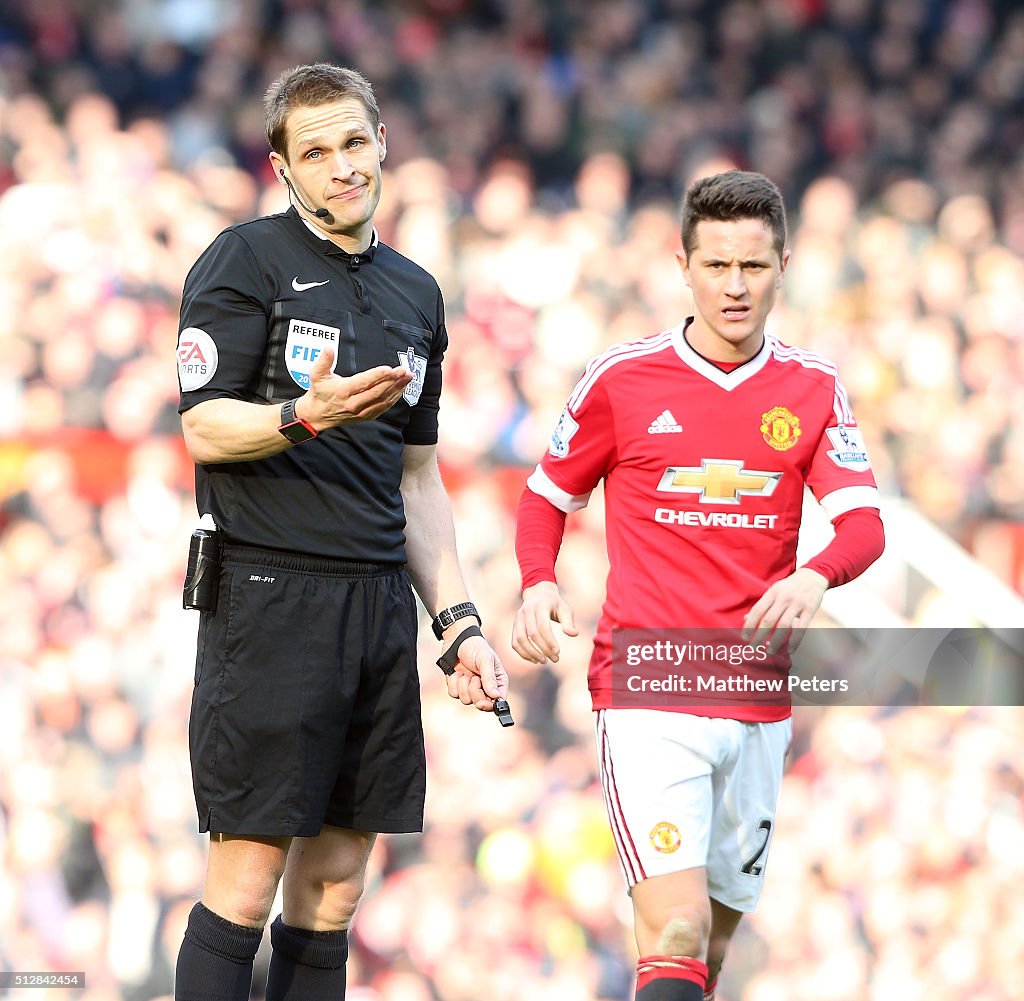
(306, 708)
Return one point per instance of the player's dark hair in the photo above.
(309, 86)
(736, 194)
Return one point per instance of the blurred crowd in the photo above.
(537, 153)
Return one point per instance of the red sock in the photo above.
(670, 978)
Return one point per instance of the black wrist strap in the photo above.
(448, 659)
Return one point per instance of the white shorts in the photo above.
(686, 791)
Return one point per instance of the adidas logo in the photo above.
(664, 423)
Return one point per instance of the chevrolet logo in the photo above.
(719, 481)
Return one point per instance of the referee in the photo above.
(309, 358)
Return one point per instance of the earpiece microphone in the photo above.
(319, 213)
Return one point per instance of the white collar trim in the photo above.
(726, 380)
(317, 232)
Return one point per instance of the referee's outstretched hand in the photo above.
(334, 399)
(480, 677)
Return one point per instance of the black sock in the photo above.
(215, 959)
(306, 965)
(670, 978)
(670, 990)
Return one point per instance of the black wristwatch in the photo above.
(293, 427)
(447, 616)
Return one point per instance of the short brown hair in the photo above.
(309, 86)
(735, 194)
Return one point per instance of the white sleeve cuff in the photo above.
(540, 483)
(847, 498)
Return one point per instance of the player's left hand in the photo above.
(785, 610)
(479, 676)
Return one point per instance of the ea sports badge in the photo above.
(408, 359)
(197, 358)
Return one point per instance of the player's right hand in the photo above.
(334, 399)
(532, 636)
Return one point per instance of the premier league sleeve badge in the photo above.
(418, 366)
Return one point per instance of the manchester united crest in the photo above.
(665, 837)
(780, 428)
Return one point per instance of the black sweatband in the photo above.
(448, 659)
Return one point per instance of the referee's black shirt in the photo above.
(257, 307)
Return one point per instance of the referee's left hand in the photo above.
(333, 399)
(479, 676)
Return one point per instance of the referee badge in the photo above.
(306, 342)
(418, 366)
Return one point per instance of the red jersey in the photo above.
(704, 475)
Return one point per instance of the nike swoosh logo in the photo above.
(302, 286)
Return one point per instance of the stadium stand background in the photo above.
(537, 152)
